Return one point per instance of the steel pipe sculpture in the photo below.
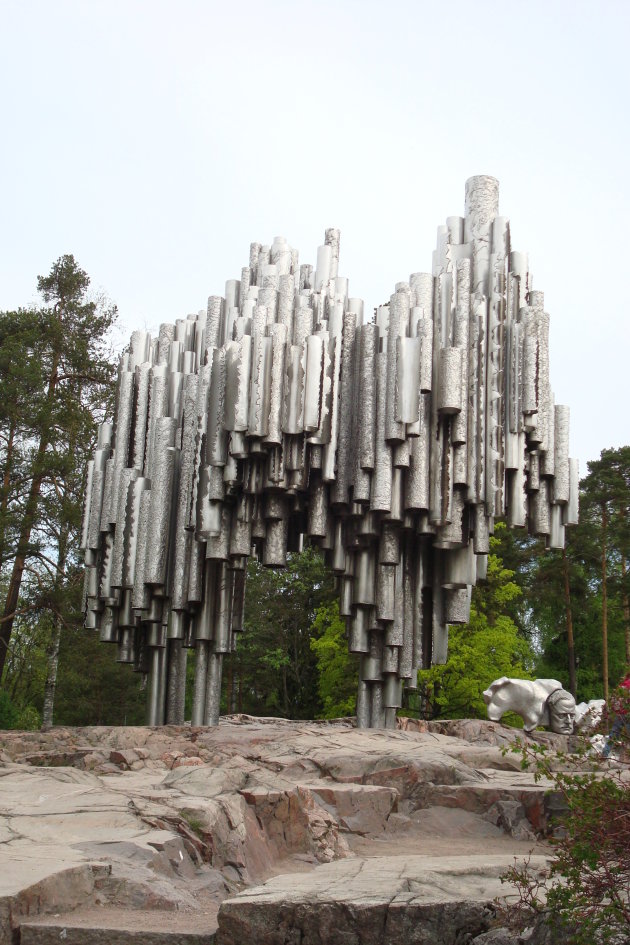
(391, 442)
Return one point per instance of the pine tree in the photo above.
(582, 594)
(55, 384)
(606, 507)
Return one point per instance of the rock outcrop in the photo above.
(145, 834)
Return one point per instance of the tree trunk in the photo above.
(52, 660)
(52, 654)
(570, 644)
(13, 594)
(626, 608)
(604, 604)
(6, 487)
(285, 692)
(15, 584)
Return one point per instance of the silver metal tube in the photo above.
(199, 690)
(176, 687)
(377, 709)
(363, 705)
(213, 689)
(367, 397)
(156, 699)
(381, 496)
(161, 497)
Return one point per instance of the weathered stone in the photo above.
(417, 900)
(294, 823)
(185, 761)
(110, 927)
(94, 759)
(359, 808)
(170, 757)
(480, 731)
(511, 816)
(57, 758)
(123, 758)
(497, 937)
(108, 767)
(251, 799)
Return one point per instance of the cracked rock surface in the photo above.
(336, 833)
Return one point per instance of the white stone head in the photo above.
(561, 708)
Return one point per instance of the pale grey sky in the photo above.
(156, 140)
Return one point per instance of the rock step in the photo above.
(381, 900)
(479, 798)
(107, 926)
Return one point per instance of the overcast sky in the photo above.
(156, 140)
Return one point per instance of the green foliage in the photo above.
(56, 384)
(194, 822)
(292, 659)
(587, 889)
(604, 526)
(274, 670)
(26, 672)
(479, 652)
(500, 588)
(489, 646)
(337, 669)
(8, 712)
(92, 688)
(28, 719)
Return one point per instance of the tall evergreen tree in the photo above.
(55, 384)
(575, 603)
(606, 507)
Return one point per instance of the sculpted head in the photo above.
(561, 705)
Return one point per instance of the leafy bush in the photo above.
(586, 891)
(28, 719)
(8, 712)
(337, 669)
(487, 647)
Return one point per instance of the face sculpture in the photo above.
(561, 712)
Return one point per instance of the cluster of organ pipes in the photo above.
(281, 412)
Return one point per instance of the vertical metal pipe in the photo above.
(363, 705)
(377, 709)
(213, 689)
(176, 684)
(156, 701)
(199, 691)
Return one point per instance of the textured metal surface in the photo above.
(280, 412)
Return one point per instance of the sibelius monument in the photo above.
(391, 442)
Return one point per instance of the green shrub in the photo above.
(8, 712)
(28, 719)
(586, 892)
